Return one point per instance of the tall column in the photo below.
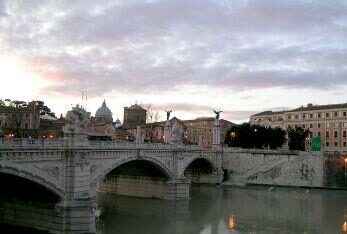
(167, 132)
(216, 133)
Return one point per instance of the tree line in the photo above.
(256, 136)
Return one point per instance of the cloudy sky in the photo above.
(190, 56)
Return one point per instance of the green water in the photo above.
(229, 210)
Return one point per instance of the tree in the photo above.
(297, 137)
(254, 136)
(40, 107)
(152, 119)
(277, 137)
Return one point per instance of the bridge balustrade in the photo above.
(30, 143)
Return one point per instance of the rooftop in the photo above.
(309, 107)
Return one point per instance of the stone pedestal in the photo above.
(167, 132)
(75, 137)
(216, 133)
(138, 135)
(200, 143)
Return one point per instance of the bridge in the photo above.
(72, 169)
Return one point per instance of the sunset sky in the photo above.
(242, 57)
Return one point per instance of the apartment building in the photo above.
(329, 122)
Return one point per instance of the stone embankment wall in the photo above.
(273, 167)
(142, 186)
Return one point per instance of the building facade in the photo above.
(197, 131)
(329, 122)
(20, 121)
(134, 116)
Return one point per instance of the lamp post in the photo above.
(345, 170)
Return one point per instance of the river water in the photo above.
(213, 210)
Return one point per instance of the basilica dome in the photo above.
(103, 111)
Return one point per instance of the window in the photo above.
(335, 144)
(289, 117)
(303, 126)
(311, 125)
(344, 144)
(336, 114)
(344, 134)
(318, 125)
(319, 115)
(327, 134)
(344, 113)
(335, 134)
(336, 125)
(296, 116)
(327, 115)
(345, 125)
(311, 116)
(327, 125)
(318, 134)
(304, 116)
(327, 144)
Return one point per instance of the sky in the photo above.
(239, 56)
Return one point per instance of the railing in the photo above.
(30, 143)
(127, 145)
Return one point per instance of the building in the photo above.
(134, 116)
(201, 130)
(329, 122)
(198, 131)
(102, 123)
(50, 127)
(20, 121)
(102, 115)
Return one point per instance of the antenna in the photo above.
(84, 99)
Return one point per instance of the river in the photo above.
(227, 210)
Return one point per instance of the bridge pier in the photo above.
(178, 189)
(76, 208)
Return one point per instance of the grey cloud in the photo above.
(138, 46)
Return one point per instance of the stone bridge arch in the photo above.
(35, 176)
(102, 172)
(214, 175)
(207, 159)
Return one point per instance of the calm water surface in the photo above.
(227, 210)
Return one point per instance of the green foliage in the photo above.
(297, 137)
(255, 136)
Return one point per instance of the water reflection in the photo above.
(232, 222)
(214, 210)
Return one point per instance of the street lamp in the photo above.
(232, 134)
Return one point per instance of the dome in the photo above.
(118, 123)
(103, 111)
